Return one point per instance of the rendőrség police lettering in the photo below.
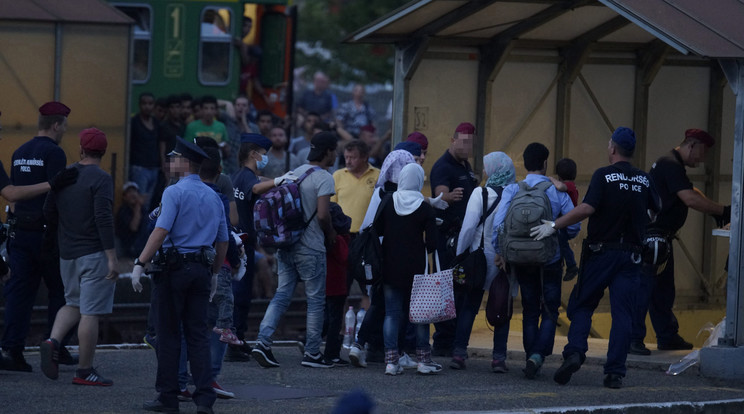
(27, 164)
(628, 183)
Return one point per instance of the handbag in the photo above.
(499, 306)
(471, 266)
(432, 296)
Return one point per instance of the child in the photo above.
(566, 171)
(336, 290)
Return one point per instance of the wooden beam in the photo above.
(447, 20)
(407, 58)
(650, 60)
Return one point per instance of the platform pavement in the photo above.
(295, 389)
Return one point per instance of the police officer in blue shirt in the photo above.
(31, 254)
(191, 220)
(616, 203)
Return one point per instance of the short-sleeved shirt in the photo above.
(167, 133)
(669, 177)
(216, 131)
(317, 184)
(320, 104)
(192, 214)
(36, 161)
(225, 185)
(243, 181)
(4, 179)
(144, 149)
(353, 194)
(277, 166)
(297, 144)
(449, 172)
(572, 192)
(354, 118)
(621, 195)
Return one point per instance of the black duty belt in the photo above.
(195, 257)
(599, 247)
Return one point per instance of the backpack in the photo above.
(365, 252)
(471, 266)
(278, 216)
(499, 306)
(528, 207)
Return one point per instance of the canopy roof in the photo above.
(72, 11)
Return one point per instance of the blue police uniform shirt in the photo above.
(192, 214)
(449, 172)
(560, 203)
(621, 196)
(243, 182)
(4, 179)
(36, 161)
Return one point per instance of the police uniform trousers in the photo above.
(616, 270)
(30, 259)
(243, 294)
(657, 294)
(183, 299)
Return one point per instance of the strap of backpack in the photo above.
(385, 199)
(302, 177)
(486, 212)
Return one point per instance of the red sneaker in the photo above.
(221, 392)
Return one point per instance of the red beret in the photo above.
(368, 128)
(93, 139)
(54, 108)
(418, 138)
(701, 136)
(465, 128)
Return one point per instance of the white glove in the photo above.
(136, 275)
(213, 289)
(542, 231)
(290, 176)
(438, 203)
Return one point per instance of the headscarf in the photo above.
(394, 162)
(407, 198)
(413, 147)
(500, 170)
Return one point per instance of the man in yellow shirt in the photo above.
(355, 183)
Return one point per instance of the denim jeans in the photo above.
(397, 304)
(566, 253)
(467, 303)
(500, 337)
(146, 178)
(296, 264)
(540, 302)
(221, 307)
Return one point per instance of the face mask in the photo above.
(261, 164)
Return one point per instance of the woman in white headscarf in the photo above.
(499, 169)
(408, 228)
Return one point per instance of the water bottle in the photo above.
(359, 319)
(686, 362)
(349, 327)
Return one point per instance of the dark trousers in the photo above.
(566, 253)
(29, 264)
(613, 269)
(656, 295)
(152, 312)
(243, 294)
(444, 332)
(371, 330)
(467, 304)
(540, 302)
(183, 298)
(334, 315)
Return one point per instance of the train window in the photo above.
(215, 46)
(142, 16)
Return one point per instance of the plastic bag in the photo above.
(694, 357)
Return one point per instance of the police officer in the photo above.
(31, 254)
(677, 196)
(616, 203)
(191, 220)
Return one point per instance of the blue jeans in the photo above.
(146, 178)
(221, 307)
(467, 303)
(298, 264)
(397, 304)
(566, 253)
(500, 337)
(540, 302)
(613, 269)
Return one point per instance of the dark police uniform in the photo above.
(194, 217)
(4, 182)
(620, 195)
(30, 260)
(657, 291)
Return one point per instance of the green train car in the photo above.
(194, 46)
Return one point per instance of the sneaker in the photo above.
(429, 367)
(90, 377)
(338, 362)
(638, 348)
(407, 362)
(221, 392)
(569, 366)
(159, 407)
(571, 273)
(533, 366)
(358, 356)
(499, 366)
(674, 343)
(49, 354)
(262, 354)
(150, 340)
(184, 396)
(613, 381)
(227, 336)
(457, 363)
(238, 353)
(393, 369)
(316, 361)
(66, 358)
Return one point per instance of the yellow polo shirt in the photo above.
(353, 194)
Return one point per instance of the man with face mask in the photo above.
(677, 196)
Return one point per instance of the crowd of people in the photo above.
(197, 168)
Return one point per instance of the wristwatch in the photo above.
(137, 262)
(552, 225)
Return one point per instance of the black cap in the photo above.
(320, 144)
(188, 150)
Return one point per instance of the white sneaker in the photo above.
(358, 356)
(427, 368)
(407, 362)
(393, 369)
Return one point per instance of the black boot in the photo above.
(15, 361)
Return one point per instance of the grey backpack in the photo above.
(528, 207)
